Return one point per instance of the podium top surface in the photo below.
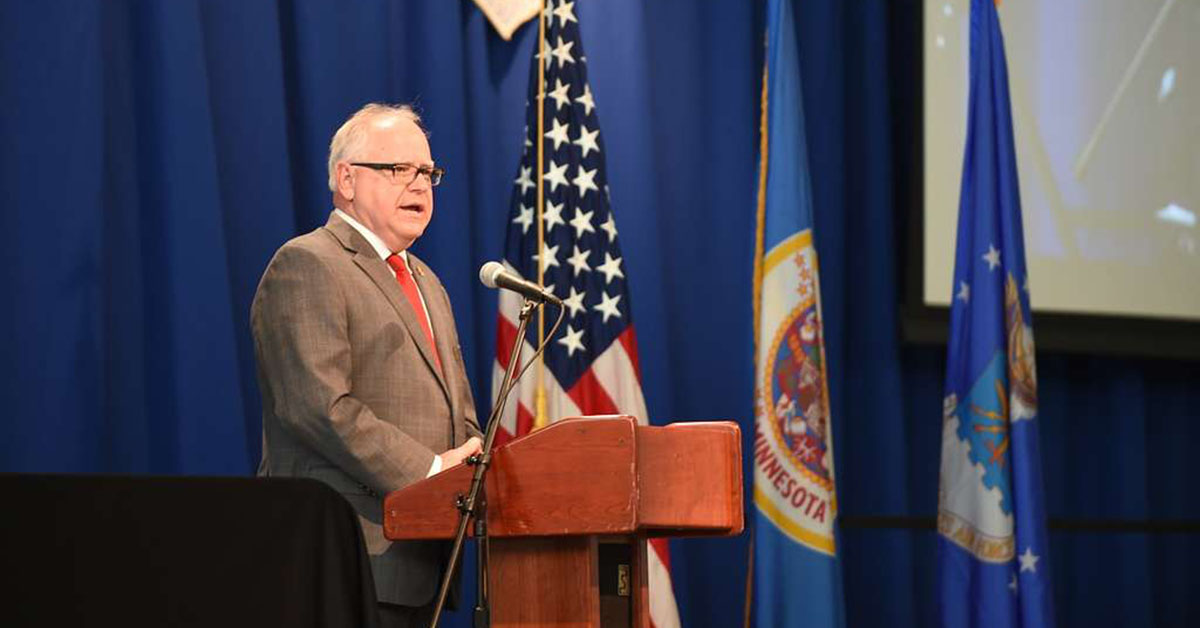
(591, 475)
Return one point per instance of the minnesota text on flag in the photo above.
(796, 572)
(793, 451)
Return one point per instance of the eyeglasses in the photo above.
(404, 174)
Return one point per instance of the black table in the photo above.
(86, 550)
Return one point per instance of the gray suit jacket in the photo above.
(351, 395)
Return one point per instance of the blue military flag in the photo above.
(992, 542)
(797, 577)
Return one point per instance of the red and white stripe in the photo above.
(611, 386)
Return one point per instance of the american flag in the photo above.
(591, 366)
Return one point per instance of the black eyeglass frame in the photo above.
(434, 173)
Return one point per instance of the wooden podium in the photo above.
(569, 510)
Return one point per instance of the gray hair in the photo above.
(352, 134)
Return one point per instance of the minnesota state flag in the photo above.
(797, 577)
(992, 544)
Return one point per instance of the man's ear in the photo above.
(345, 180)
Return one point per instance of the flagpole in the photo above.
(539, 419)
(760, 215)
(756, 300)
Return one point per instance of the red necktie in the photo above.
(409, 287)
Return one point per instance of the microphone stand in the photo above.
(473, 505)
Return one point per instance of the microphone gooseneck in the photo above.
(495, 275)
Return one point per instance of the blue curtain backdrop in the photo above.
(155, 154)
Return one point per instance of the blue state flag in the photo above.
(797, 577)
(993, 554)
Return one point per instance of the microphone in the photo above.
(494, 275)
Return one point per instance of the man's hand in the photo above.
(457, 455)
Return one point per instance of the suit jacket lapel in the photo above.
(443, 327)
(367, 260)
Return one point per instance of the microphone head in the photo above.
(488, 273)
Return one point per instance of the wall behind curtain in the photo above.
(155, 155)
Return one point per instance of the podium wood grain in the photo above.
(553, 495)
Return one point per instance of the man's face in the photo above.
(398, 214)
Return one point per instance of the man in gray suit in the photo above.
(362, 375)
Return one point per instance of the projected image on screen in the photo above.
(1106, 110)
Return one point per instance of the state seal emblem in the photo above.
(793, 447)
(798, 416)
